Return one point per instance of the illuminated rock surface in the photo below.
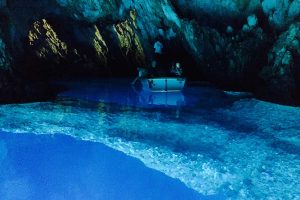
(114, 37)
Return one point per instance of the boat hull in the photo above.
(163, 84)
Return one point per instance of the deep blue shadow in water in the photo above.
(60, 167)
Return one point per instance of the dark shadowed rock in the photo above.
(224, 42)
(228, 59)
(282, 74)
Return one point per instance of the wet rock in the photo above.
(282, 74)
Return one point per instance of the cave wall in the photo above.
(227, 42)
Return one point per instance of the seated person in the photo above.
(177, 69)
(142, 72)
(158, 54)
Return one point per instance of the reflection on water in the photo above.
(161, 98)
(213, 141)
(119, 91)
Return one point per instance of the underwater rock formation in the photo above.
(65, 37)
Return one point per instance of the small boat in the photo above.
(163, 84)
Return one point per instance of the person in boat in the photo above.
(177, 69)
(142, 73)
(153, 71)
(158, 64)
(158, 53)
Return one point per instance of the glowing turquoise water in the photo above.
(215, 142)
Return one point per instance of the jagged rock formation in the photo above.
(282, 74)
(279, 13)
(64, 37)
(5, 67)
(5, 58)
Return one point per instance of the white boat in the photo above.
(163, 84)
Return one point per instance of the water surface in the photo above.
(221, 144)
(60, 167)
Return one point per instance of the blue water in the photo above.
(202, 143)
(60, 167)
